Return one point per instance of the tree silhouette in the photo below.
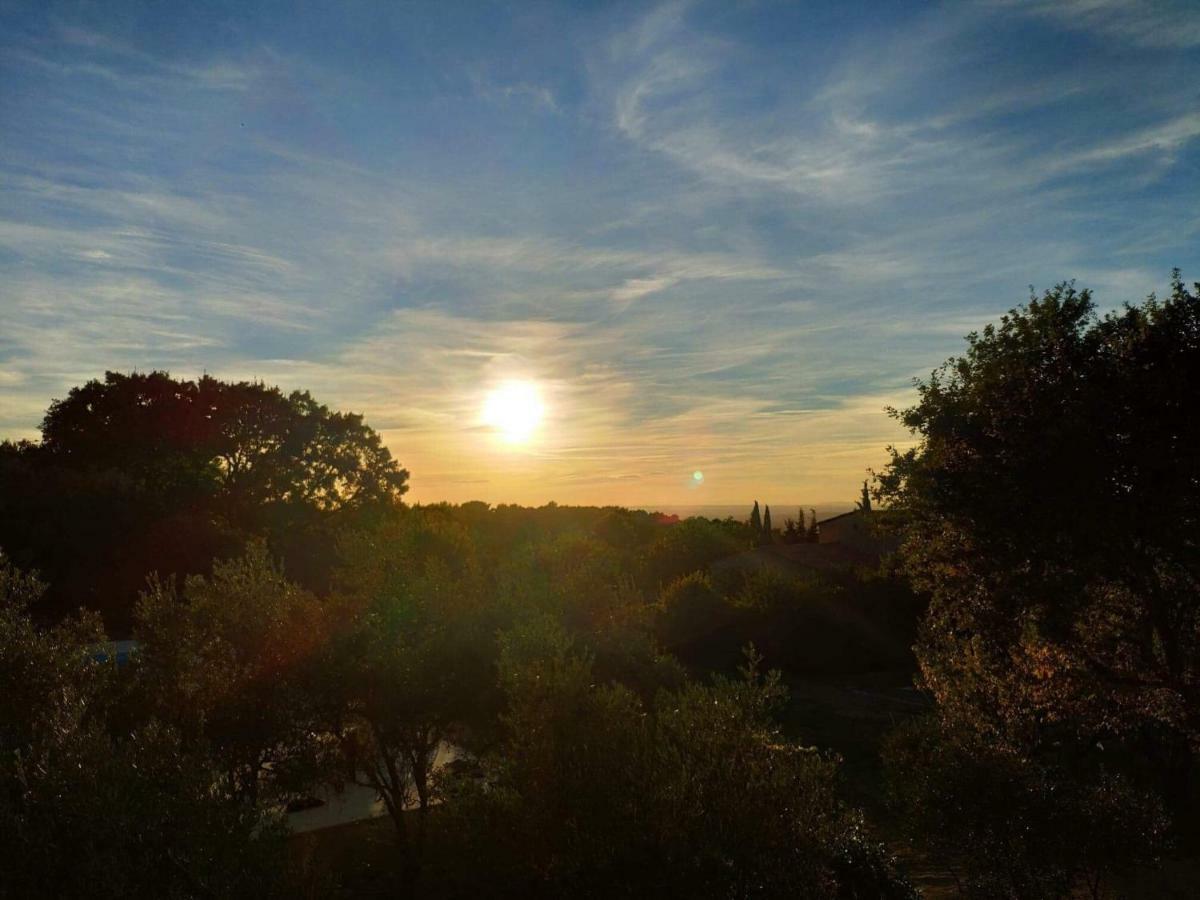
(756, 520)
(793, 533)
(864, 503)
(767, 533)
(1077, 620)
(145, 472)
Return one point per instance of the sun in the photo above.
(515, 410)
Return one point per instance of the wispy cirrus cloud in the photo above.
(1147, 23)
(720, 237)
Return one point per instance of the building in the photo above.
(859, 530)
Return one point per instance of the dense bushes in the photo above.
(92, 805)
(599, 794)
(1015, 825)
(690, 609)
(607, 771)
(801, 622)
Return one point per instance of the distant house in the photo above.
(859, 530)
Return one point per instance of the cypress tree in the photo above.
(814, 533)
(864, 505)
(756, 519)
(766, 528)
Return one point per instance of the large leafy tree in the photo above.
(249, 444)
(146, 472)
(1053, 503)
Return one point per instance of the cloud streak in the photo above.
(718, 237)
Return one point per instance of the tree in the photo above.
(1084, 607)
(756, 520)
(688, 610)
(251, 445)
(814, 530)
(692, 545)
(144, 472)
(596, 793)
(1011, 825)
(94, 805)
(739, 810)
(768, 534)
(409, 666)
(864, 503)
(1075, 624)
(227, 661)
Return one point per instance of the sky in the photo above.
(716, 238)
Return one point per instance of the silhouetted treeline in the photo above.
(598, 765)
(611, 682)
(341, 637)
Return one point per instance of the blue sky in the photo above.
(717, 237)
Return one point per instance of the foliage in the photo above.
(408, 668)
(864, 502)
(689, 609)
(49, 684)
(692, 545)
(793, 533)
(802, 622)
(89, 810)
(228, 662)
(1052, 507)
(625, 530)
(571, 576)
(582, 584)
(252, 445)
(143, 472)
(1050, 515)
(1014, 826)
(770, 589)
(696, 794)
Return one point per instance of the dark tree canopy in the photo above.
(247, 444)
(1054, 501)
(146, 472)
(864, 501)
(96, 801)
(1052, 507)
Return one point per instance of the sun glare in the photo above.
(515, 410)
